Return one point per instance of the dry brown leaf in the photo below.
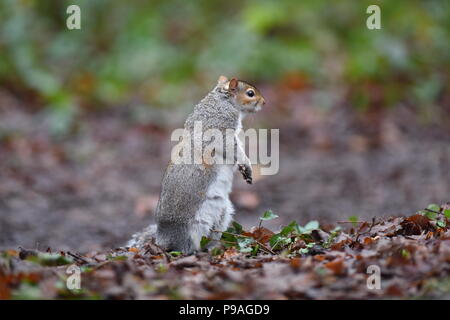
(336, 266)
(415, 225)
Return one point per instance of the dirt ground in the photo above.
(95, 187)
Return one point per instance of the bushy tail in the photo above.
(139, 239)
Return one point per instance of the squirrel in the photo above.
(194, 199)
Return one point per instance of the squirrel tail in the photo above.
(139, 239)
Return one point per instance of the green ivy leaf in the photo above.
(245, 244)
(278, 240)
(216, 251)
(441, 224)
(429, 214)
(406, 254)
(237, 228)
(229, 239)
(204, 242)
(295, 227)
(269, 215)
(447, 213)
(119, 258)
(353, 220)
(434, 207)
(255, 250)
(312, 225)
(175, 253)
(287, 230)
(50, 259)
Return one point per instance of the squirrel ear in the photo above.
(233, 84)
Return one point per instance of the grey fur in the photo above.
(185, 186)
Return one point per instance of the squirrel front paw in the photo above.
(246, 172)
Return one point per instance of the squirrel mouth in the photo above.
(254, 109)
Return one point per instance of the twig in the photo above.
(220, 240)
(429, 210)
(351, 221)
(100, 264)
(372, 225)
(368, 231)
(276, 243)
(77, 257)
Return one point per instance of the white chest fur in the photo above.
(216, 212)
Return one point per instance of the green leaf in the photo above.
(353, 220)
(175, 253)
(255, 250)
(406, 254)
(434, 207)
(50, 259)
(27, 291)
(303, 251)
(161, 268)
(278, 240)
(333, 235)
(204, 242)
(229, 239)
(287, 230)
(237, 228)
(441, 224)
(216, 251)
(429, 214)
(119, 258)
(268, 215)
(296, 228)
(447, 213)
(86, 269)
(312, 225)
(245, 244)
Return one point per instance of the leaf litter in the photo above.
(297, 262)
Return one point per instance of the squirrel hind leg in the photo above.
(175, 238)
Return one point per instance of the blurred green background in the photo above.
(165, 54)
(86, 115)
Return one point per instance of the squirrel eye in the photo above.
(250, 93)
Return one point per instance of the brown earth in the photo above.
(94, 187)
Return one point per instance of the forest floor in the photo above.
(80, 195)
(385, 258)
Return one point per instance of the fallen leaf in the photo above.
(415, 225)
(336, 266)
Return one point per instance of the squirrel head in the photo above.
(245, 96)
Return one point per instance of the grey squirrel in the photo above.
(194, 200)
